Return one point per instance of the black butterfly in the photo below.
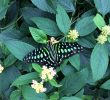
(53, 55)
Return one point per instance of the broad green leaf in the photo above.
(15, 95)
(103, 6)
(37, 67)
(62, 65)
(18, 49)
(75, 61)
(3, 8)
(54, 96)
(87, 41)
(99, 21)
(67, 69)
(48, 25)
(30, 94)
(43, 5)
(106, 85)
(85, 26)
(38, 35)
(62, 20)
(70, 98)
(68, 5)
(10, 34)
(9, 60)
(99, 61)
(54, 83)
(7, 77)
(29, 12)
(88, 13)
(25, 79)
(73, 82)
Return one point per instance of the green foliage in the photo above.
(85, 26)
(15, 95)
(62, 20)
(102, 6)
(38, 35)
(70, 98)
(99, 61)
(30, 94)
(25, 79)
(29, 24)
(73, 82)
(50, 27)
(99, 21)
(3, 8)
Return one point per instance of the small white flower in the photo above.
(106, 30)
(1, 68)
(73, 34)
(47, 73)
(38, 86)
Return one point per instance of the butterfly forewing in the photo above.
(67, 49)
(40, 56)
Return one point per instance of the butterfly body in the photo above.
(53, 55)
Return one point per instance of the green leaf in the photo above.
(54, 96)
(85, 26)
(18, 49)
(15, 95)
(99, 61)
(29, 12)
(38, 35)
(75, 61)
(70, 98)
(9, 60)
(73, 82)
(87, 41)
(48, 25)
(62, 20)
(99, 21)
(30, 94)
(3, 8)
(43, 5)
(68, 5)
(54, 83)
(106, 85)
(7, 77)
(67, 69)
(25, 79)
(103, 6)
(37, 67)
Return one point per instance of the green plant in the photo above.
(26, 24)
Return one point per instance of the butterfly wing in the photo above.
(65, 50)
(40, 56)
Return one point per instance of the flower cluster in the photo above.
(1, 68)
(102, 38)
(47, 73)
(38, 86)
(73, 34)
(53, 40)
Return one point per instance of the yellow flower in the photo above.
(47, 73)
(106, 30)
(73, 34)
(102, 39)
(38, 86)
(1, 68)
(53, 40)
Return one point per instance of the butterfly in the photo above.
(52, 55)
